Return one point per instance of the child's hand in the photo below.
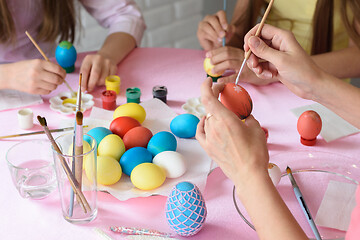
(32, 76)
(212, 29)
(231, 58)
(95, 68)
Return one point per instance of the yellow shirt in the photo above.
(297, 16)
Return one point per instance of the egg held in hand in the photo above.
(147, 176)
(309, 126)
(236, 99)
(185, 209)
(208, 68)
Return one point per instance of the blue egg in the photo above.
(98, 134)
(184, 125)
(133, 157)
(162, 141)
(185, 209)
(65, 55)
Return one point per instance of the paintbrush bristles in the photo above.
(288, 170)
(42, 121)
(80, 79)
(79, 118)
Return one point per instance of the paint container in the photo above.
(25, 118)
(108, 98)
(133, 95)
(112, 82)
(160, 92)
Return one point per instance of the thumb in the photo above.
(262, 50)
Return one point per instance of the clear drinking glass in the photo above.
(74, 208)
(31, 168)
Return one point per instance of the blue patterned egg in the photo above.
(184, 125)
(185, 209)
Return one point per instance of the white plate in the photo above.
(65, 104)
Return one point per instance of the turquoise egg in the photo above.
(185, 209)
(162, 141)
(65, 55)
(184, 125)
(133, 157)
(98, 134)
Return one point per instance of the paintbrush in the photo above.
(74, 184)
(302, 203)
(76, 151)
(79, 147)
(248, 53)
(224, 8)
(39, 132)
(47, 59)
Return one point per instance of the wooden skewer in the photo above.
(47, 59)
(74, 184)
(39, 132)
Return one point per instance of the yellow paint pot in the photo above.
(112, 82)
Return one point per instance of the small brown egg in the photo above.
(309, 126)
(236, 99)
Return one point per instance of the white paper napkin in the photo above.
(333, 126)
(10, 99)
(336, 207)
(158, 118)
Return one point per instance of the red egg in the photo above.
(137, 137)
(236, 99)
(309, 126)
(122, 125)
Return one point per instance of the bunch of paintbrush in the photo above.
(73, 182)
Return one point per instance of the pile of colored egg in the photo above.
(130, 148)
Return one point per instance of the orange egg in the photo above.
(122, 125)
(309, 126)
(137, 137)
(237, 99)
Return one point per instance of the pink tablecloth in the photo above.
(181, 71)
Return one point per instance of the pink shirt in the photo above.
(353, 232)
(115, 15)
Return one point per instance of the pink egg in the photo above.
(309, 126)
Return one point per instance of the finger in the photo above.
(209, 33)
(261, 50)
(94, 76)
(104, 73)
(217, 89)
(41, 91)
(200, 132)
(85, 70)
(227, 79)
(214, 21)
(222, 19)
(54, 68)
(50, 77)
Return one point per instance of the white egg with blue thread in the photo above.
(185, 209)
(184, 125)
(274, 173)
(162, 141)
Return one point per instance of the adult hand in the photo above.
(231, 58)
(212, 29)
(238, 147)
(284, 59)
(32, 76)
(95, 68)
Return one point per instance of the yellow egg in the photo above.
(108, 170)
(86, 149)
(208, 67)
(111, 145)
(133, 110)
(147, 176)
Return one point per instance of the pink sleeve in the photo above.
(353, 232)
(117, 16)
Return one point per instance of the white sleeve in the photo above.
(117, 16)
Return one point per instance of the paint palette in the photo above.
(194, 106)
(65, 103)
